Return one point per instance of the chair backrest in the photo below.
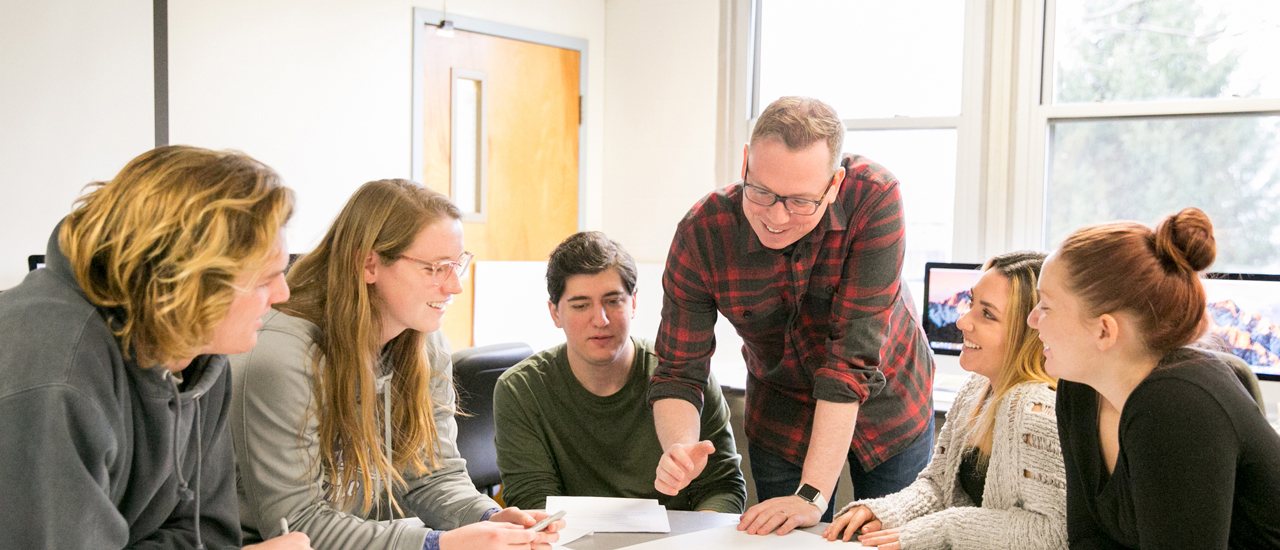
(1247, 378)
(475, 373)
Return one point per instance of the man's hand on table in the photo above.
(784, 514)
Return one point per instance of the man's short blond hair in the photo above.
(798, 122)
(162, 244)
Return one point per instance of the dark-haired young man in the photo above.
(574, 420)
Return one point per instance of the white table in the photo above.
(681, 523)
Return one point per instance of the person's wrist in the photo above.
(433, 540)
(812, 495)
(804, 502)
(680, 443)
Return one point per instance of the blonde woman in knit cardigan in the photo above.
(996, 479)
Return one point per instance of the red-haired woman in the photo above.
(1162, 446)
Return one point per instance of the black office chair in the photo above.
(1218, 345)
(475, 373)
(1244, 373)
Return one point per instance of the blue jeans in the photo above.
(775, 477)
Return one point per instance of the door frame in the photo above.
(422, 18)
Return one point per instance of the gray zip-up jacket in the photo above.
(275, 431)
(96, 452)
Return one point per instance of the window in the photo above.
(896, 72)
(468, 143)
(867, 59)
(1149, 106)
(1012, 124)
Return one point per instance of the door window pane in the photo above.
(468, 186)
(924, 161)
(1145, 169)
(865, 58)
(1108, 50)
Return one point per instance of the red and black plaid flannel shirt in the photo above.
(825, 319)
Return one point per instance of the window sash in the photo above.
(1036, 112)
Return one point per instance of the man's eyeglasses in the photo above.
(795, 205)
(438, 272)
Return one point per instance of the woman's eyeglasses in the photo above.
(438, 272)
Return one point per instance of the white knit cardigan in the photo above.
(1024, 501)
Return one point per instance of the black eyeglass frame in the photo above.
(776, 197)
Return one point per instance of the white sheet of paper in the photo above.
(567, 535)
(729, 537)
(612, 515)
(570, 534)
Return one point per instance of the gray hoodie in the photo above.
(96, 452)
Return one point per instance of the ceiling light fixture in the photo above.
(446, 26)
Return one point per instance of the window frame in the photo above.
(1032, 155)
(1002, 130)
(740, 100)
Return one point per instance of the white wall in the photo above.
(76, 101)
(321, 89)
(511, 306)
(661, 79)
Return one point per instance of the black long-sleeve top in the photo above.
(1198, 467)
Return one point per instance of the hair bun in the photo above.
(1184, 241)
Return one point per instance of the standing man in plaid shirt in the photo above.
(804, 257)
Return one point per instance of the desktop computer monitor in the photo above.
(1243, 310)
(946, 298)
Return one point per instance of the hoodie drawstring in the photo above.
(199, 467)
(386, 417)
(184, 492)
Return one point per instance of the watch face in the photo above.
(808, 492)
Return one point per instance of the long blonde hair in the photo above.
(161, 244)
(328, 289)
(1024, 354)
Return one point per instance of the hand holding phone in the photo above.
(547, 521)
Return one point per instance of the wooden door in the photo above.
(532, 169)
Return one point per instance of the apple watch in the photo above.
(812, 495)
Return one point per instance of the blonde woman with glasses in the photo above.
(114, 386)
(996, 479)
(343, 414)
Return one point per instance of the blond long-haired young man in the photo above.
(113, 380)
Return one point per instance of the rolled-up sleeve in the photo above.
(686, 337)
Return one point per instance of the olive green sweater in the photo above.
(556, 438)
